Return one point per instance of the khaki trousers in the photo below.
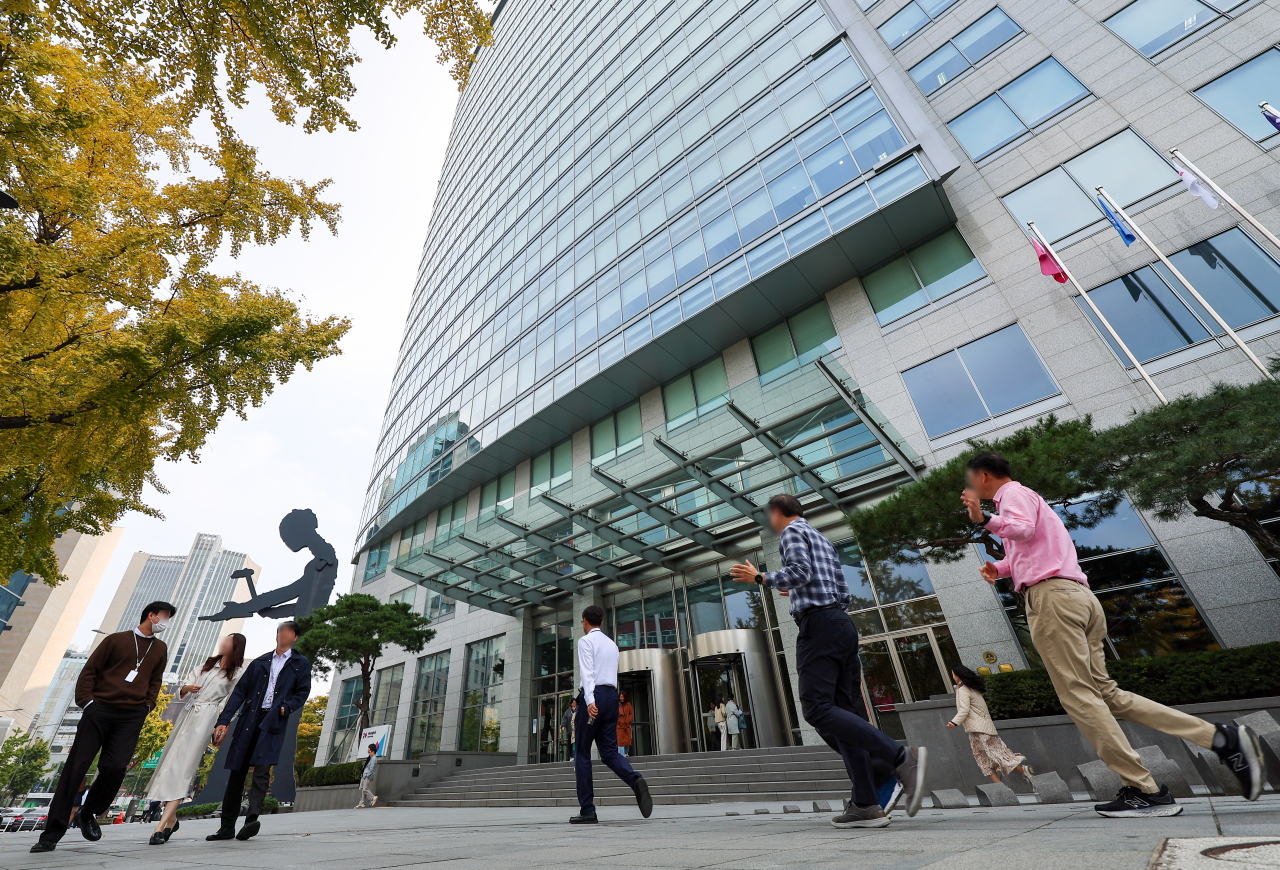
(1067, 627)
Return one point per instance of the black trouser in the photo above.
(111, 729)
(235, 783)
(603, 733)
(831, 701)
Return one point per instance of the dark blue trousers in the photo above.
(830, 698)
(603, 733)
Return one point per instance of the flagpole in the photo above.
(1115, 336)
(1187, 284)
(1222, 195)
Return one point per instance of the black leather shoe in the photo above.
(223, 834)
(250, 829)
(643, 798)
(158, 838)
(44, 846)
(584, 819)
(90, 829)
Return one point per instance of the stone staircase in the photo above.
(797, 773)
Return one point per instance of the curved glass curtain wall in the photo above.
(690, 134)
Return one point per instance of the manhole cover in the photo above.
(1262, 853)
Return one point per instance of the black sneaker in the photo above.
(643, 799)
(855, 816)
(911, 772)
(1240, 750)
(583, 819)
(1133, 803)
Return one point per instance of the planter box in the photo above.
(1049, 742)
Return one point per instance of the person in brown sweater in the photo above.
(117, 688)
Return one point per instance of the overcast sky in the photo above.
(311, 444)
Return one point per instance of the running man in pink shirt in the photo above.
(1067, 627)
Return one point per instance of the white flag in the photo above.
(1198, 189)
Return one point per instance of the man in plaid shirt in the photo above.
(828, 666)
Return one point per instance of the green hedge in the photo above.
(332, 774)
(1180, 678)
(198, 810)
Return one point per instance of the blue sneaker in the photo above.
(889, 794)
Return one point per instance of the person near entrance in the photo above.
(626, 716)
(367, 773)
(1068, 626)
(722, 724)
(733, 724)
(597, 719)
(995, 759)
(273, 686)
(828, 666)
(567, 726)
(116, 690)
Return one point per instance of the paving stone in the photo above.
(1050, 789)
(1165, 771)
(790, 808)
(996, 794)
(762, 811)
(1217, 777)
(732, 814)
(821, 807)
(949, 799)
(1103, 782)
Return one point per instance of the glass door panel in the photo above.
(883, 687)
(714, 681)
(920, 666)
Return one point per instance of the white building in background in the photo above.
(56, 721)
(197, 584)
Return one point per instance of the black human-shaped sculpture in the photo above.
(299, 598)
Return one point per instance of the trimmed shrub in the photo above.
(198, 810)
(347, 773)
(1178, 678)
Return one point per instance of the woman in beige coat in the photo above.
(993, 757)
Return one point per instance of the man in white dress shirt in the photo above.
(597, 719)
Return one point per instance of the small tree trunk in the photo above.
(1264, 536)
(366, 677)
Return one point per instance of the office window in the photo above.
(979, 381)
(450, 520)
(1235, 96)
(695, 392)
(1153, 25)
(412, 538)
(1028, 100)
(346, 720)
(379, 557)
(552, 468)
(481, 713)
(798, 340)
(408, 595)
(924, 274)
(911, 19)
(436, 607)
(426, 718)
(384, 701)
(616, 434)
(1155, 315)
(1064, 200)
(498, 496)
(964, 50)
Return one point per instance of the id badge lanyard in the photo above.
(138, 657)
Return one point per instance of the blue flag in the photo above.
(1128, 237)
(1271, 119)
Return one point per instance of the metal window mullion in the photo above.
(786, 458)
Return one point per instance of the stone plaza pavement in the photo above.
(1066, 836)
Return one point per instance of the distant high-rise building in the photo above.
(38, 620)
(197, 584)
(56, 721)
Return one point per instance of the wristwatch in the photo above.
(986, 518)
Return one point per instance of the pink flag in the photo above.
(1048, 265)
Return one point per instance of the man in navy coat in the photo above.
(273, 686)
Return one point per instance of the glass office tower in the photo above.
(688, 255)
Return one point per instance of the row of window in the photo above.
(1030, 99)
(964, 50)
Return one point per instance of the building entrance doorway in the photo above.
(899, 669)
(722, 677)
(638, 687)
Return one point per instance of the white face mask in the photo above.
(159, 627)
